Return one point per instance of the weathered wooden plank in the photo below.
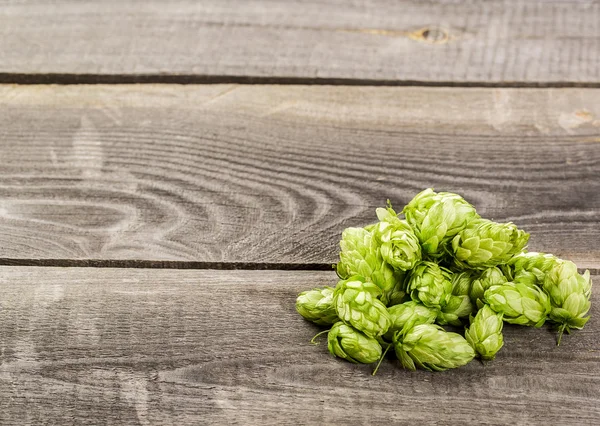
(273, 174)
(510, 41)
(106, 346)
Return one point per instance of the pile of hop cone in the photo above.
(401, 280)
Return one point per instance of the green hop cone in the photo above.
(398, 243)
(483, 244)
(485, 333)
(407, 315)
(316, 305)
(437, 217)
(456, 308)
(531, 268)
(430, 347)
(350, 344)
(356, 304)
(488, 278)
(540, 263)
(430, 284)
(462, 283)
(519, 303)
(397, 294)
(569, 296)
(360, 255)
(459, 304)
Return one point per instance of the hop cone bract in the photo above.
(360, 255)
(316, 305)
(519, 303)
(356, 304)
(485, 333)
(346, 342)
(569, 295)
(437, 217)
(399, 245)
(430, 347)
(483, 244)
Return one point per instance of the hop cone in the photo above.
(488, 278)
(430, 284)
(317, 306)
(485, 333)
(360, 255)
(346, 342)
(437, 217)
(519, 303)
(483, 244)
(430, 347)
(407, 315)
(459, 304)
(456, 308)
(531, 268)
(399, 244)
(462, 283)
(569, 295)
(398, 294)
(356, 304)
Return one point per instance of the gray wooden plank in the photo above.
(510, 41)
(114, 346)
(273, 174)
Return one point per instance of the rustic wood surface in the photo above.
(227, 176)
(115, 346)
(438, 42)
(273, 174)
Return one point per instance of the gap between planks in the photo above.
(74, 79)
(165, 264)
(175, 264)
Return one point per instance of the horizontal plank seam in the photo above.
(72, 79)
(181, 264)
(165, 264)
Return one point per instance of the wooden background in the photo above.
(153, 236)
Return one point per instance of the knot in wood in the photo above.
(431, 35)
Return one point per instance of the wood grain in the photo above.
(485, 42)
(272, 175)
(107, 346)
